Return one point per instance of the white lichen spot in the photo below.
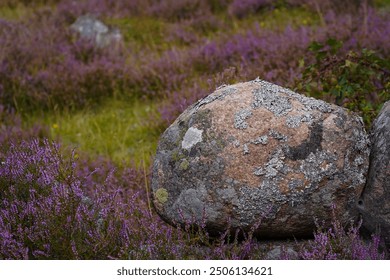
(240, 117)
(293, 121)
(358, 161)
(261, 140)
(236, 143)
(277, 135)
(259, 171)
(191, 138)
(246, 149)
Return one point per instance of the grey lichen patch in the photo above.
(315, 104)
(296, 121)
(354, 170)
(236, 143)
(192, 206)
(358, 161)
(261, 140)
(226, 90)
(259, 171)
(257, 203)
(161, 195)
(293, 121)
(311, 166)
(361, 138)
(240, 117)
(275, 165)
(277, 135)
(309, 102)
(268, 96)
(191, 138)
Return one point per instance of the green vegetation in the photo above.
(358, 81)
(124, 131)
(278, 19)
(14, 13)
(142, 32)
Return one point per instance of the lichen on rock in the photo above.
(161, 195)
(191, 138)
(240, 117)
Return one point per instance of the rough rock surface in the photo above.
(255, 152)
(93, 29)
(280, 253)
(375, 202)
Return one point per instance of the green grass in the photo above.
(125, 132)
(278, 19)
(142, 32)
(14, 13)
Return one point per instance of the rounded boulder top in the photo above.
(257, 156)
(90, 28)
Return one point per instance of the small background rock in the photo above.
(90, 28)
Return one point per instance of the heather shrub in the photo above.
(339, 243)
(176, 10)
(54, 207)
(44, 212)
(15, 3)
(44, 65)
(323, 6)
(242, 8)
(12, 129)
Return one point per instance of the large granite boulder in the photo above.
(255, 152)
(90, 28)
(375, 202)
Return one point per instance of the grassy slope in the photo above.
(123, 131)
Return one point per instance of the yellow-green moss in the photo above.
(184, 164)
(161, 195)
